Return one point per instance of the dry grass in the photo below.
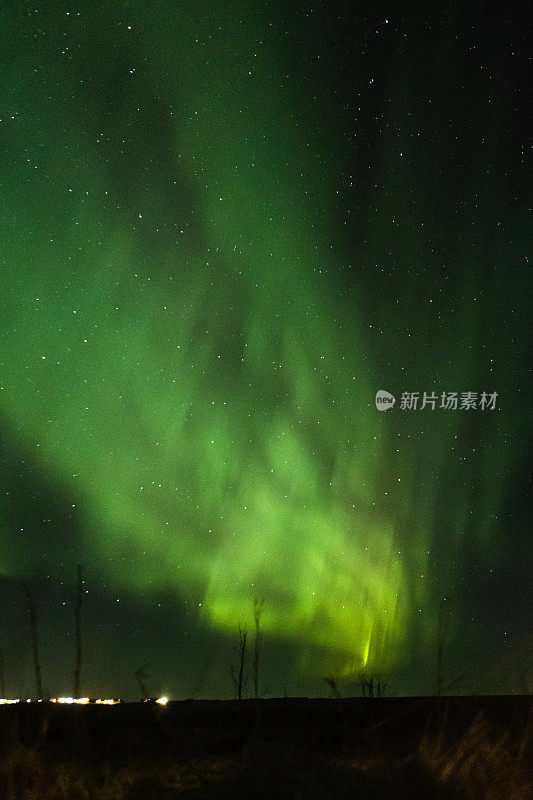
(25, 775)
(485, 762)
(488, 760)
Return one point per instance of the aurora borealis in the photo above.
(225, 227)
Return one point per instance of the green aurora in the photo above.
(194, 329)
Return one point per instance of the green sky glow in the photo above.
(182, 347)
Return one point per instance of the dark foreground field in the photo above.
(460, 747)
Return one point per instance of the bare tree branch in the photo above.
(239, 678)
(258, 610)
(34, 640)
(77, 631)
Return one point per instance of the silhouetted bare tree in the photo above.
(371, 687)
(332, 683)
(443, 684)
(440, 634)
(239, 675)
(140, 676)
(77, 631)
(258, 610)
(32, 609)
(2, 672)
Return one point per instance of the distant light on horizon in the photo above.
(81, 701)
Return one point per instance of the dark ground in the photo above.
(458, 747)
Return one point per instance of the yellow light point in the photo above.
(6, 702)
(82, 701)
(70, 700)
(162, 701)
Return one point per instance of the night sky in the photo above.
(224, 228)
